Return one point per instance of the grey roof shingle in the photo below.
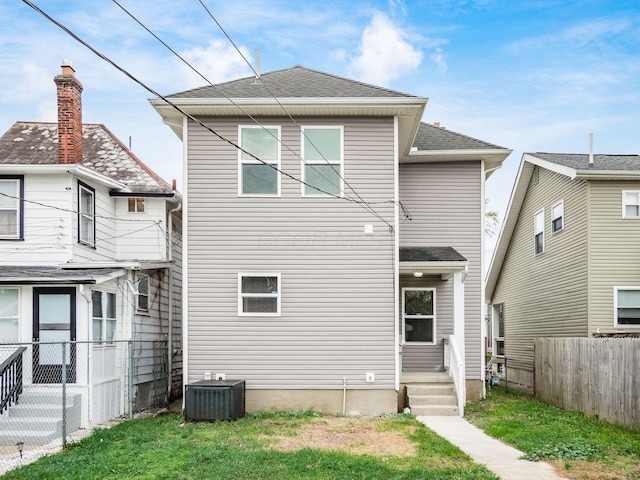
(580, 161)
(430, 254)
(42, 274)
(430, 137)
(34, 143)
(295, 82)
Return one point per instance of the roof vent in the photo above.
(257, 80)
(591, 149)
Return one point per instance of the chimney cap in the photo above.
(67, 67)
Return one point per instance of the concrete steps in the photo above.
(37, 417)
(431, 394)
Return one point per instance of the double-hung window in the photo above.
(86, 215)
(142, 303)
(500, 330)
(322, 160)
(259, 294)
(11, 207)
(419, 318)
(538, 233)
(104, 316)
(627, 306)
(136, 204)
(557, 217)
(259, 161)
(630, 204)
(9, 314)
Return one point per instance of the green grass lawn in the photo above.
(579, 446)
(166, 447)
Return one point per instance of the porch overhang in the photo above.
(44, 275)
(443, 261)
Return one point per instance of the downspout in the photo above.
(170, 337)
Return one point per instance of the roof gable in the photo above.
(33, 143)
(295, 82)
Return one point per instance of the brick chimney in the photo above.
(69, 115)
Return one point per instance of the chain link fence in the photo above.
(51, 391)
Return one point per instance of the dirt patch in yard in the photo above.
(358, 436)
(584, 470)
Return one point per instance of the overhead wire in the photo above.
(364, 202)
(243, 110)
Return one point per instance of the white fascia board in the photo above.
(140, 265)
(76, 169)
(554, 167)
(608, 174)
(462, 152)
(433, 268)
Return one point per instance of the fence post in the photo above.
(130, 379)
(64, 395)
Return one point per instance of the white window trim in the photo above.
(304, 161)
(135, 203)
(256, 162)
(553, 217)
(104, 319)
(624, 204)
(17, 317)
(92, 216)
(537, 231)
(18, 209)
(432, 317)
(278, 295)
(615, 308)
(140, 276)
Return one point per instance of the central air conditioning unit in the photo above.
(209, 400)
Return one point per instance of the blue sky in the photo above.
(537, 75)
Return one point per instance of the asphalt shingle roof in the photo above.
(34, 143)
(430, 137)
(580, 161)
(40, 274)
(430, 254)
(295, 82)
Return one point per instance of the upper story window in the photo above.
(104, 316)
(11, 207)
(136, 204)
(259, 294)
(539, 232)
(9, 314)
(627, 306)
(557, 217)
(322, 154)
(259, 177)
(630, 204)
(86, 215)
(142, 303)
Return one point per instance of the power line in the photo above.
(364, 202)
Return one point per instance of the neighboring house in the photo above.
(566, 263)
(310, 230)
(88, 254)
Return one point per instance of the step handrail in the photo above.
(11, 379)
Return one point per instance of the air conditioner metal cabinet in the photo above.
(209, 400)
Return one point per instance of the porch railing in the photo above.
(11, 379)
(455, 362)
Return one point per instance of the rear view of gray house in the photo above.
(333, 245)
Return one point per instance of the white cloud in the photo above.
(218, 62)
(439, 59)
(384, 53)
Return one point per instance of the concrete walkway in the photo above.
(501, 459)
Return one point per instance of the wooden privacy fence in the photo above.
(596, 376)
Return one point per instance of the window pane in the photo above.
(111, 305)
(631, 211)
(539, 241)
(556, 224)
(322, 144)
(86, 229)
(260, 305)
(8, 194)
(539, 222)
(8, 302)
(143, 302)
(8, 330)
(418, 302)
(324, 177)
(259, 179)
(418, 329)
(629, 298)
(97, 329)
(96, 299)
(86, 202)
(259, 284)
(143, 285)
(111, 330)
(8, 223)
(260, 142)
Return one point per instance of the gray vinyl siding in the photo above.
(446, 205)
(545, 295)
(614, 258)
(425, 358)
(337, 284)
